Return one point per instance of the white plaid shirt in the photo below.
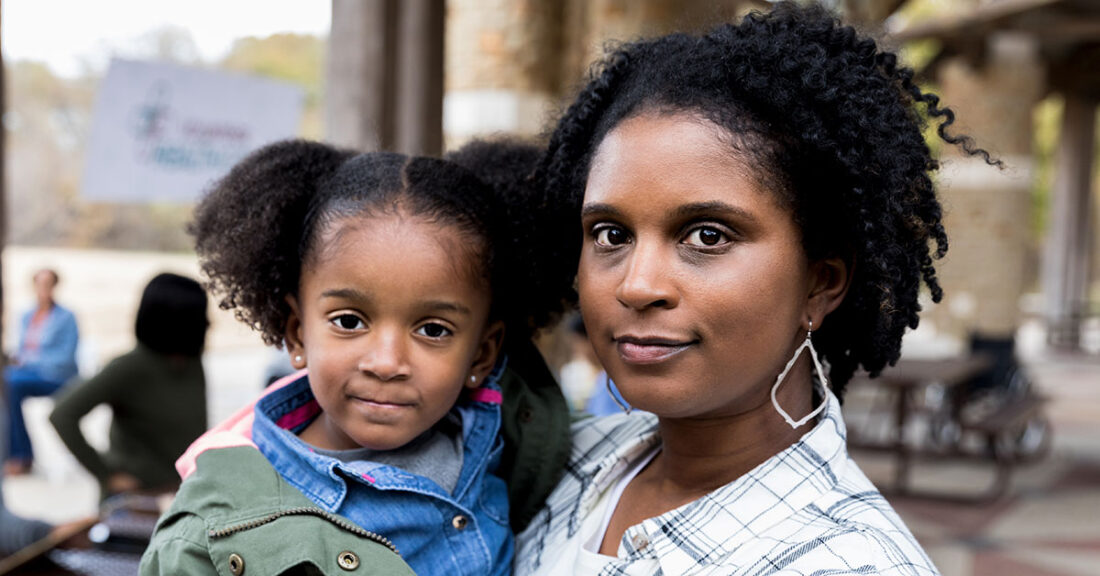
(807, 510)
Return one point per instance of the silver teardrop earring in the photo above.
(809, 343)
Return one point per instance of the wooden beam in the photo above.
(419, 97)
(3, 178)
(360, 94)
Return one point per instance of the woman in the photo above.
(755, 206)
(157, 393)
(46, 359)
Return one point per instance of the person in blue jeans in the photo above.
(46, 359)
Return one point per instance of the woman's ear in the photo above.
(292, 335)
(487, 352)
(829, 281)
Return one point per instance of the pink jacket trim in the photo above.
(487, 395)
(235, 431)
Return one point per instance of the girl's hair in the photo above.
(171, 318)
(508, 164)
(262, 223)
(831, 124)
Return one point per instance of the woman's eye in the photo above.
(706, 236)
(348, 322)
(611, 236)
(434, 331)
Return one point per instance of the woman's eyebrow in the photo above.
(713, 208)
(599, 209)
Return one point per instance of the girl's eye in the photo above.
(434, 331)
(348, 322)
(611, 236)
(706, 236)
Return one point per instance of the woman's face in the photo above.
(693, 282)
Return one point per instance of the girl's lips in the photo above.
(635, 351)
(380, 404)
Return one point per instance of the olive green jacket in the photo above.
(236, 515)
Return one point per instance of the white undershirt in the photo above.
(589, 561)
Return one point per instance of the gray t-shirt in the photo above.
(436, 454)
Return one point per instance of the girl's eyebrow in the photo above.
(447, 306)
(345, 293)
(429, 305)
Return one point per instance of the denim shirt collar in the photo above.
(284, 413)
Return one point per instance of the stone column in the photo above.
(502, 67)
(1067, 255)
(988, 212)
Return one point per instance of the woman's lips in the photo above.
(635, 350)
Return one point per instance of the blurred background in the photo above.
(117, 113)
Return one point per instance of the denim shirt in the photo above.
(55, 355)
(435, 532)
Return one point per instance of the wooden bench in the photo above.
(1003, 429)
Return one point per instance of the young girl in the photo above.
(385, 277)
(756, 207)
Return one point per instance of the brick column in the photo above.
(988, 212)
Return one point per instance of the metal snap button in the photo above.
(236, 564)
(459, 522)
(639, 541)
(348, 560)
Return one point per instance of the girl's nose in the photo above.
(647, 281)
(386, 356)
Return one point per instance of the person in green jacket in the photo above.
(157, 393)
(396, 286)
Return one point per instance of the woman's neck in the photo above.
(701, 455)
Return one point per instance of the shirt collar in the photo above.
(282, 414)
(737, 512)
(279, 416)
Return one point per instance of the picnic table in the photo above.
(998, 427)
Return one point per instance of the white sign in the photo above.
(164, 132)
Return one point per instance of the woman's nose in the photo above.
(386, 356)
(647, 280)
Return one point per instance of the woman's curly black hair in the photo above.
(831, 122)
(263, 222)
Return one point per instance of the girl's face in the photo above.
(693, 283)
(391, 318)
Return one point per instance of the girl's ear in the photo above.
(829, 281)
(486, 356)
(292, 336)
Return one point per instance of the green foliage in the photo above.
(295, 58)
(1047, 122)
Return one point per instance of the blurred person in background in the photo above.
(16, 532)
(46, 358)
(578, 376)
(157, 393)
